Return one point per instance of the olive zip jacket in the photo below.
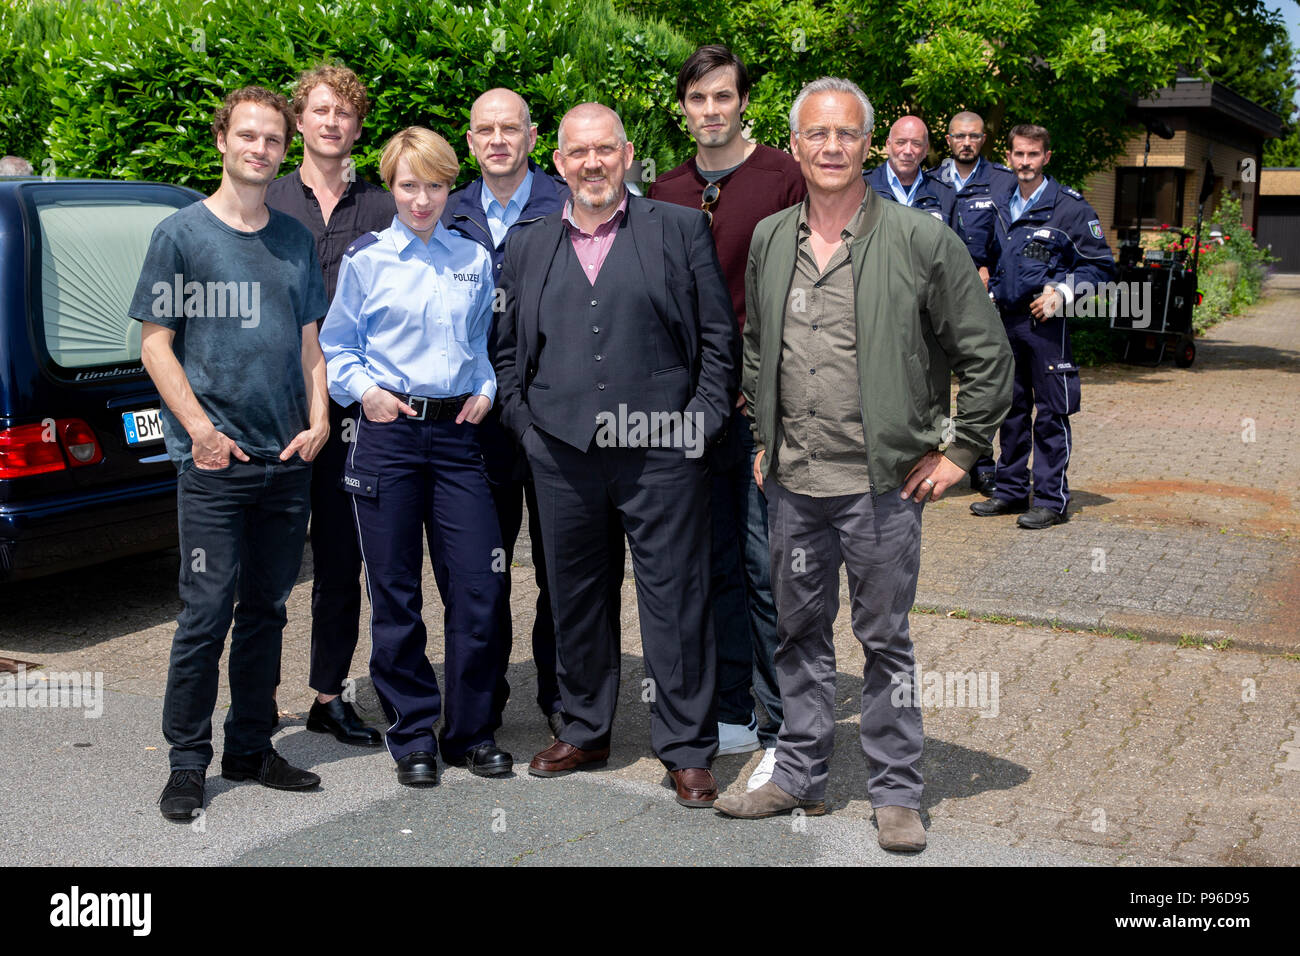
(922, 314)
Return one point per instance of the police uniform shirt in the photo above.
(411, 317)
(904, 196)
(1019, 203)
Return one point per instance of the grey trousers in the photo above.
(878, 539)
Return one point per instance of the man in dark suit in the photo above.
(617, 362)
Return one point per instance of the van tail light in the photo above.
(27, 450)
(79, 440)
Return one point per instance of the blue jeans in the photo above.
(744, 614)
(242, 530)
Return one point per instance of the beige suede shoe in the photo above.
(767, 801)
(900, 829)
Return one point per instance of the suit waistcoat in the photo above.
(602, 346)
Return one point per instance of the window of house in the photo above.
(1162, 197)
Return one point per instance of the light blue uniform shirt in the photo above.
(904, 196)
(500, 220)
(411, 317)
(1019, 204)
(958, 184)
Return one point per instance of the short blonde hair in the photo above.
(429, 155)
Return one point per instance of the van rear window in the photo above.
(91, 254)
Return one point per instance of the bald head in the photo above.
(907, 146)
(501, 135)
(591, 116)
(500, 100)
(910, 127)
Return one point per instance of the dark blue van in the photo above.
(84, 476)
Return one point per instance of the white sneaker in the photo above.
(737, 738)
(763, 772)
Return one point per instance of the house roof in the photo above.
(1189, 94)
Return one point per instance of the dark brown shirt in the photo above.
(823, 446)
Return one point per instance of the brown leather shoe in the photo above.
(695, 786)
(561, 758)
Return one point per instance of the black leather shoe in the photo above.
(418, 769)
(556, 722)
(269, 769)
(985, 485)
(340, 719)
(1039, 517)
(998, 506)
(182, 795)
(485, 760)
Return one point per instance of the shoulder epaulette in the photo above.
(1072, 193)
(359, 243)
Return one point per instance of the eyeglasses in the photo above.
(709, 199)
(960, 137)
(817, 136)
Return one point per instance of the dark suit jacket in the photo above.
(680, 269)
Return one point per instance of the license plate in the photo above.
(1155, 255)
(142, 426)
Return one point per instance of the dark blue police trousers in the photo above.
(410, 478)
(1046, 385)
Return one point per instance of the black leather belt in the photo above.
(432, 409)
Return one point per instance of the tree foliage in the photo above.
(126, 88)
(1072, 66)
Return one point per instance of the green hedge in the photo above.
(127, 90)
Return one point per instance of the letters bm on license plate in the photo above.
(143, 426)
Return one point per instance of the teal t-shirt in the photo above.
(237, 302)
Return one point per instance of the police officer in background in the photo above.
(1049, 240)
(975, 181)
(900, 177)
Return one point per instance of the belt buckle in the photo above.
(421, 404)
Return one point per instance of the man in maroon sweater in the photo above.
(738, 183)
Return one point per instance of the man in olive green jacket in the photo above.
(860, 311)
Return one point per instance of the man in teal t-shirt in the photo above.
(229, 295)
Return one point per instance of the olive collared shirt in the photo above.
(823, 444)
